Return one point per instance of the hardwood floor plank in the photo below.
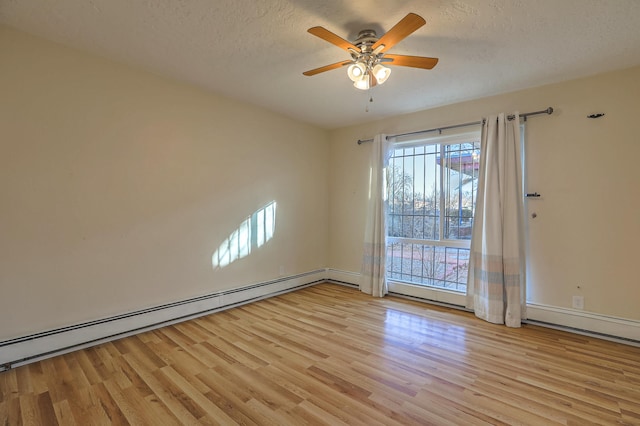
(438, 409)
(309, 413)
(28, 409)
(127, 376)
(8, 385)
(186, 362)
(332, 355)
(135, 408)
(176, 335)
(174, 397)
(237, 353)
(59, 378)
(163, 393)
(275, 416)
(258, 387)
(85, 406)
(109, 405)
(101, 360)
(195, 390)
(230, 398)
(88, 368)
(63, 413)
(4, 413)
(23, 379)
(349, 410)
(284, 380)
(283, 340)
(381, 381)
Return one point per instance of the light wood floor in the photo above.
(331, 355)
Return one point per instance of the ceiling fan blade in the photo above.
(327, 35)
(327, 68)
(402, 29)
(410, 61)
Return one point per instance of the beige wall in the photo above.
(117, 186)
(587, 229)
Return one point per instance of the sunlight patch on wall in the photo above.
(253, 233)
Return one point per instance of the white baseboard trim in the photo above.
(336, 276)
(38, 346)
(427, 294)
(584, 322)
(581, 322)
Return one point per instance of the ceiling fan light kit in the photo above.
(363, 75)
(356, 71)
(367, 52)
(381, 73)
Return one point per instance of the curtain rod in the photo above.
(475, 123)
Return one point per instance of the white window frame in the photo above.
(418, 290)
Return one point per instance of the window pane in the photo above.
(461, 182)
(413, 178)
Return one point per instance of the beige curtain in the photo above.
(373, 279)
(496, 281)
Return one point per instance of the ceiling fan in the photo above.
(368, 53)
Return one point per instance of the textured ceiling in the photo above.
(256, 50)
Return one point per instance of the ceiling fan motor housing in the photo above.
(366, 38)
(366, 55)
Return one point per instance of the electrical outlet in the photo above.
(281, 270)
(578, 302)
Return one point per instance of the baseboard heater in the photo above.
(583, 332)
(342, 283)
(569, 329)
(34, 347)
(430, 301)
